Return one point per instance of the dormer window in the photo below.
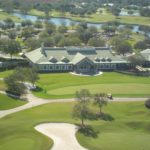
(97, 59)
(64, 59)
(109, 59)
(52, 59)
(103, 59)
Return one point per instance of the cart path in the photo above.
(34, 101)
(63, 135)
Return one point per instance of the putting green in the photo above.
(64, 85)
(107, 88)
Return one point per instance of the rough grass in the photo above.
(128, 131)
(63, 85)
(8, 102)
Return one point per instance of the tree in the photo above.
(108, 29)
(115, 41)
(81, 109)
(57, 37)
(31, 75)
(145, 12)
(38, 24)
(32, 43)
(12, 34)
(147, 103)
(9, 23)
(26, 23)
(86, 36)
(48, 42)
(140, 45)
(83, 96)
(12, 47)
(74, 41)
(123, 48)
(15, 82)
(125, 33)
(96, 42)
(137, 59)
(14, 86)
(50, 27)
(92, 29)
(27, 32)
(100, 99)
(19, 74)
(62, 29)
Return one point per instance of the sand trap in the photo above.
(63, 135)
(80, 74)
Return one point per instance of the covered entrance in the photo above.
(85, 66)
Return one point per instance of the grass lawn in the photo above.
(4, 74)
(97, 17)
(135, 38)
(8, 102)
(63, 85)
(130, 129)
(4, 15)
(2, 85)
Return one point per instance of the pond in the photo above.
(67, 22)
(56, 21)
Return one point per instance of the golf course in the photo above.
(129, 128)
(126, 126)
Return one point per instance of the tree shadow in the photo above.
(88, 131)
(92, 116)
(105, 117)
(37, 89)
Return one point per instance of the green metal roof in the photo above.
(36, 56)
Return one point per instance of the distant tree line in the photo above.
(75, 7)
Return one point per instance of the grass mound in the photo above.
(8, 102)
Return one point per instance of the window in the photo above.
(51, 67)
(44, 67)
(57, 67)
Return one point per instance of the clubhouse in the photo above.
(76, 59)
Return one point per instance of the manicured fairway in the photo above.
(63, 85)
(8, 103)
(130, 129)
